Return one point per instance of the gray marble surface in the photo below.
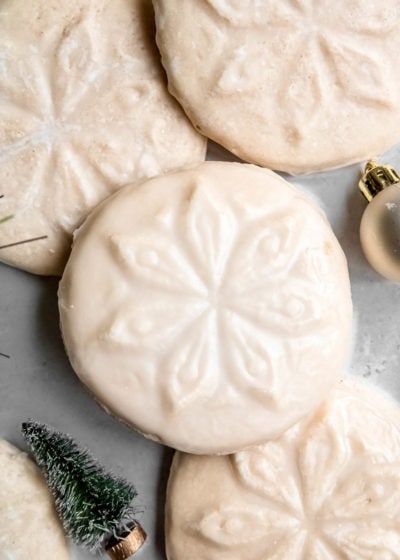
(37, 381)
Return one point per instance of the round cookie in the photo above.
(29, 526)
(208, 308)
(84, 109)
(296, 86)
(328, 489)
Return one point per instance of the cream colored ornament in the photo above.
(208, 308)
(84, 109)
(380, 224)
(328, 489)
(292, 85)
(29, 525)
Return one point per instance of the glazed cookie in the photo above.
(84, 109)
(208, 308)
(328, 489)
(291, 85)
(29, 526)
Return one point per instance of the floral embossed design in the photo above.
(231, 304)
(330, 51)
(58, 114)
(83, 111)
(328, 489)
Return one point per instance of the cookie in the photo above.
(296, 86)
(84, 109)
(329, 488)
(29, 526)
(208, 308)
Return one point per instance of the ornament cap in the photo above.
(128, 545)
(377, 177)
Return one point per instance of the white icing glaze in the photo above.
(201, 296)
(83, 110)
(328, 489)
(295, 85)
(29, 525)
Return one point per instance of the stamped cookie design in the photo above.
(295, 85)
(84, 109)
(220, 290)
(328, 488)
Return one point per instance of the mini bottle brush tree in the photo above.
(95, 507)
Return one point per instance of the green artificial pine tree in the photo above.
(95, 506)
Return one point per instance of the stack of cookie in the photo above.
(208, 304)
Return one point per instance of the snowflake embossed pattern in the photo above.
(291, 85)
(83, 110)
(328, 489)
(223, 290)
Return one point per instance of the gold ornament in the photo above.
(380, 223)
